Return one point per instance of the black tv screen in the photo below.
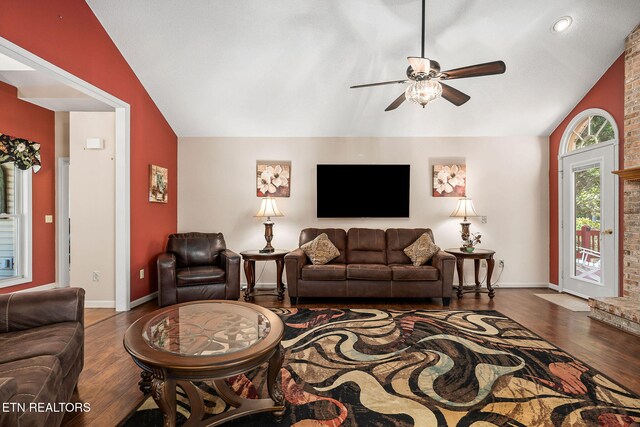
(363, 191)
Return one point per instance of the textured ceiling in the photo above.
(284, 67)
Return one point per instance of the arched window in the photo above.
(589, 128)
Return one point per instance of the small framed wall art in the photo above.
(450, 180)
(158, 184)
(273, 178)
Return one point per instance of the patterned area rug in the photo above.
(365, 367)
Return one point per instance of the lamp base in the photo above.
(268, 236)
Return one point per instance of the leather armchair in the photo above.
(197, 266)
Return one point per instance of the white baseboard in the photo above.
(554, 287)
(99, 304)
(144, 299)
(261, 285)
(519, 285)
(38, 288)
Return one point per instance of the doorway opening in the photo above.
(121, 157)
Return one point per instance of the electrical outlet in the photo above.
(483, 219)
(501, 263)
(483, 263)
(142, 273)
(96, 276)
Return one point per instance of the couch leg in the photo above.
(294, 300)
(446, 302)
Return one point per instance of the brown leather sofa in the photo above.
(42, 342)
(372, 263)
(197, 266)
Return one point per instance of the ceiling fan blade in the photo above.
(419, 65)
(380, 84)
(486, 69)
(395, 104)
(454, 96)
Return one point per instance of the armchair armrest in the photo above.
(26, 310)
(231, 264)
(167, 294)
(446, 264)
(293, 262)
(8, 388)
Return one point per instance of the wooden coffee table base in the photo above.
(163, 391)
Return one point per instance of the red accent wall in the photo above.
(68, 34)
(607, 94)
(24, 120)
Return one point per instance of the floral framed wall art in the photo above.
(450, 180)
(273, 178)
(158, 184)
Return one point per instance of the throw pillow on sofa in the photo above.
(320, 250)
(422, 250)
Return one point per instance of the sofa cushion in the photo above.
(366, 246)
(410, 272)
(324, 272)
(337, 236)
(192, 249)
(320, 250)
(62, 340)
(398, 239)
(205, 274)
(422, 250)
(39, 379)
(368, 272)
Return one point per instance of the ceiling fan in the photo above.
(427, 79)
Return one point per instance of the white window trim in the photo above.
(25, 245)
(564, 142)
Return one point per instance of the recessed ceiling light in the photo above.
(562, 24)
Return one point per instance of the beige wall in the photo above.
(507, 180)
(92, 201)
(62, 134)
(61, 150)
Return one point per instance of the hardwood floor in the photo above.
(109, 379)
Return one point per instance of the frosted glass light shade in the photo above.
(423, 91)
(464, 209)
(268, 208)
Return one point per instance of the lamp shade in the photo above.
(464, 209)
(268, 208)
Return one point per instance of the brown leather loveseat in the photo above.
(371, 263)
(42, 342)
(197, 266)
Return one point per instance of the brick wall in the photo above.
(631, 242)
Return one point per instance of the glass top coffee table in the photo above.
(207, 340)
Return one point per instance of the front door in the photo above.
(589, 223)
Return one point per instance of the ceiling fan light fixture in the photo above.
(562, 24)
(423, 92)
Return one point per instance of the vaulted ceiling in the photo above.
(284, 67)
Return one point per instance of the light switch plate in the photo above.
(48, 219)
(483, 219)
(142, 273)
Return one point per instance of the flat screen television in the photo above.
(363, 191)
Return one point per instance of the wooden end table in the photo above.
(207, 340)
(250, 258)
(476, 256)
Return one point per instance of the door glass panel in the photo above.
(587, 210)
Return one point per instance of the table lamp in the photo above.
(268, 208)
(464, 210)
